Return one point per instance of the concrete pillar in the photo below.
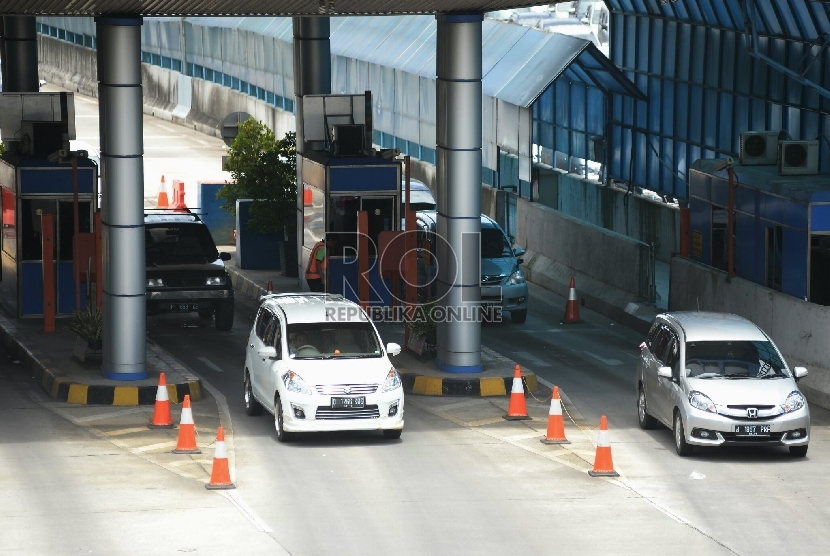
(122, 212)
(458, 88)
(19, 54)
(312, 76)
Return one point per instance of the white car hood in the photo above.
(341, 371)
(746, 391)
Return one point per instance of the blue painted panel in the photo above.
(667, 108)
(700, 215)
(66, 289)
(795, 215)
(745, 253)
(364, 179)
(31, 288)
(696, 107)
(220, 222)
(343, 280)
(773, 208)
(34, 181)
(254, 250)
(746, 199)
(725, 131)
(794, 275)
(720, 192)
(820, 218)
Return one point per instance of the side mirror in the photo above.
(520, 261)
(393, 349)
(225, 256)
(800, 372)
(519, 251)
(584, 20)
(664, 372)
(269, 352)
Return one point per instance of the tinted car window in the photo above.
(179, 244)
(265, 318)
(727, 359)
(661, 342)
(494, 245)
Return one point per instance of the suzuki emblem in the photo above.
(348, 389)
(752, 412)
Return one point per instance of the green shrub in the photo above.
(87, 324)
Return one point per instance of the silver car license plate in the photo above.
(348, 403)
(752, 430)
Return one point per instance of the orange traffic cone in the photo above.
(178, 196)
(556, 426)
(572, 306)
(603, 466)
(220, 475)
(517, 408)
(163, 201)
(270, 287)
(161, 413)
(187, 431)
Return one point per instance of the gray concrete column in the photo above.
(19, 54)
(312, 76)
(458, 88)
(122, 212)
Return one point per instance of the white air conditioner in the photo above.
(797, 157)
(759, 147)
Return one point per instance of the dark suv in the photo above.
(185, 272)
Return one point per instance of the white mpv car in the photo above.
(716, 379)
(316, 362)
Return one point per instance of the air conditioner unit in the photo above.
(759, 147)
(797, 157)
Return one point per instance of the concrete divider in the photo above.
(796, 326)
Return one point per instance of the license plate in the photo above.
(184, 307)
(752, 430)
(348, 403)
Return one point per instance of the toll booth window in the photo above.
(31, 233)
(314, 216)
(342, 232)
(66, 226)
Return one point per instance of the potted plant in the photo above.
(422, 328)
(88, 325)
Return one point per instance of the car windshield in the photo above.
(327, 340)
(494, 245)
(734, 360)
(179, 244)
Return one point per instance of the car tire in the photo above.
(519, 317)
(647, 422)
(392, 434)
(682, 447)
(206, 312)
(224, 316)
(282, 435)
(252, 407)
(798, 451)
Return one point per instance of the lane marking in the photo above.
(210, 364)
(611, 362)
(532, 358)
(156, 446)
(121, 432)
(246, 510)
(108, 414)
(460, 405)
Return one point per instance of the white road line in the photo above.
(210, 365)
(108, 414)
(532, 358)
(121, 432)
(611, 362)
(157, 446)
(460, 405)
(234, 497)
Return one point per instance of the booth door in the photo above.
(31, 265)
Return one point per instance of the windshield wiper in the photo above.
(736, 376)
(772, 376)
(708, 375)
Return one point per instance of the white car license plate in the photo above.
(752, 430)
(348, 403)
(184, 307)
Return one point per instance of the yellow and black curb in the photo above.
(62, 388)
(414, 383)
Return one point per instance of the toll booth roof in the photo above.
(35, 162)
(326, 159)
(804, 189)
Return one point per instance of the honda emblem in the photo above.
(752, 412)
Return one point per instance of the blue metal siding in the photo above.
(701, 222)
(794, 277)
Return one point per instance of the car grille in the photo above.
(366, 412)
(492, 280)
(745, 407)
(738, 412)
(340, 389)
(184, 281)
(732, 437)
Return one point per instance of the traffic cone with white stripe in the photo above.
(270, 287)
(161, 413)
(187, 431)
(572, 306)
(603, 465)
(220, 475)
(517, 408)
(163, 200)
(556, 426)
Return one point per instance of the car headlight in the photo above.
(294, 383)
(393, 380)
(794, 402)
(701, 401)
(517, 277)
(154, 282)
(214, 281)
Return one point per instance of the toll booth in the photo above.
(37, 178)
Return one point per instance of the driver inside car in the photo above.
(299, 340)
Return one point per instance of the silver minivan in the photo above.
(717, 379)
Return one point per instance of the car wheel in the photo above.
(252, 407)
(224, 316)
(647, 422)
(282, 436)
(798, 451)
(206, 312)
(518, 316)
(392, 434)
(683, 448)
